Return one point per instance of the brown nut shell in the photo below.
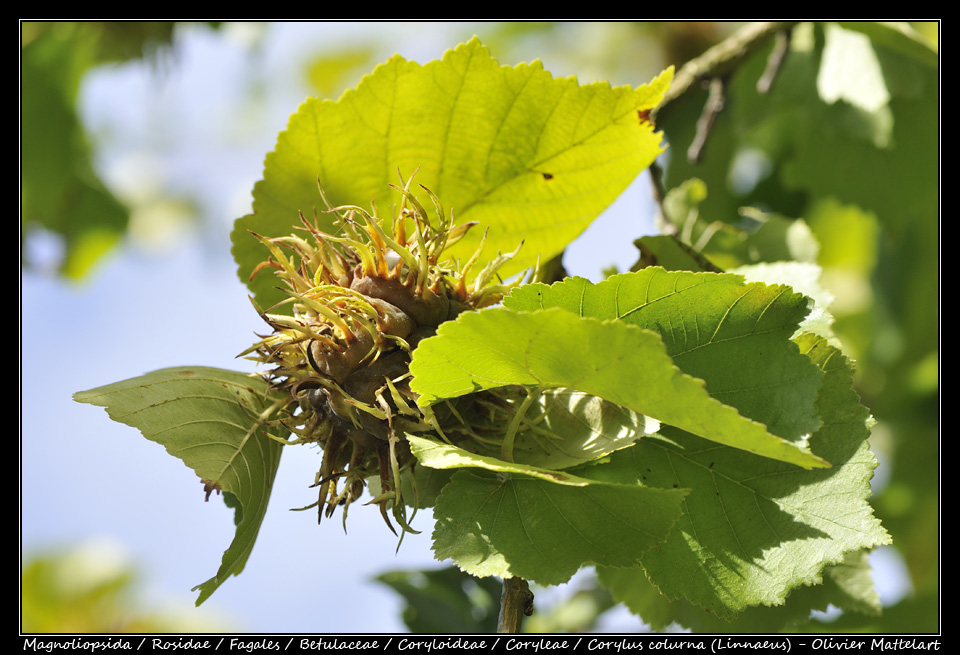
(428, 308)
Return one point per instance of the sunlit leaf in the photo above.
(615, 361)
(438, 455)
(753, 529)
(734, 336)
(530, 157)
(560, 428)
(803, 277)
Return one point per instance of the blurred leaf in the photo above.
(815, 143)
(215, 421)
(900, 37)
(447, 600)
(60, 191)
(328, 73)
(760, 238)
(834, 139)
(91, 588)
(757, 236)
(850, 72)
(671, 254)
(576, 612)
(917, 615)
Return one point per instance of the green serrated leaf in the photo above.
(753, 529)
(531, 157)
(846, 586)
(620, 363)
(803, 277)
(214, 421)
(732, 335)
(851, 585)
(544, 532)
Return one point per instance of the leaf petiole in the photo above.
(506, 451)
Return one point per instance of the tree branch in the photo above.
(715, 102)
(714, 67)
(774, 62)
(722, 59)
(516, 601)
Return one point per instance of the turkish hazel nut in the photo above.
(358, 302)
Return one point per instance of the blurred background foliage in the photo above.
(836, 162)
(93, 588)
(61, 190)
(847, 140)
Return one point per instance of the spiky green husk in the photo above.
(360, 301)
